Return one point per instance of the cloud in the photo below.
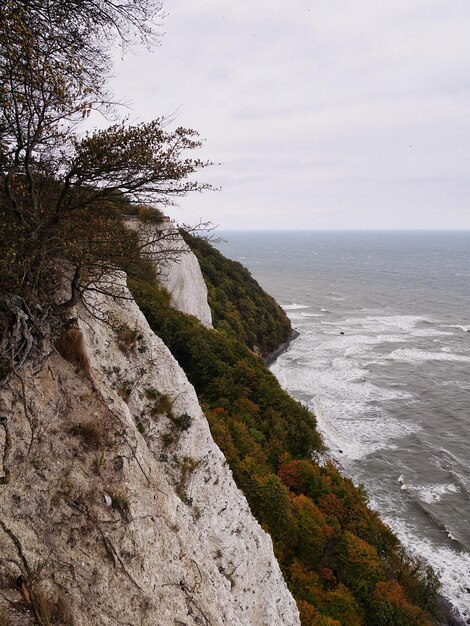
(311, 108)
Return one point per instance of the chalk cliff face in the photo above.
(178, 271)
(183, 279)
(119, 498)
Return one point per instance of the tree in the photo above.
(63, 193)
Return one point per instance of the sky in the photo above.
(321, 114)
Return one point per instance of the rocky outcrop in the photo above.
(119, 508)
(178, 269)
(184, 281)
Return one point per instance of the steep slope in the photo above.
(178, 268)
(120, 509)
(239, 305)
(344, 566)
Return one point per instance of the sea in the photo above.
(383, 360)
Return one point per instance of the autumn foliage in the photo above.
(342, 564)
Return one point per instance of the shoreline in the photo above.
(449, 614)
(270, 358)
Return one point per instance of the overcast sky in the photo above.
(323, 113)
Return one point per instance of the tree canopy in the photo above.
(63, 190)
(239, 305)
(342, 564)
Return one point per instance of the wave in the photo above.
(464, 327)
(432, 517)
(350, 384)
(451, 463)
(431, 493)
(414, 355)
(294, 306)
(359, 429)
(406, 325)
(451, 564)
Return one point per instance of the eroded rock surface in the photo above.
(120, 500)
(178, 269)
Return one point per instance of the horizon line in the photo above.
(348, 230)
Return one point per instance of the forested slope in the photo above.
(240, 308)
(343, 565)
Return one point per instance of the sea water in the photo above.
(383, 359)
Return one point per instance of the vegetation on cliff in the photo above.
(62, 189)
(240, 308)
(343, 565)
(62, 197)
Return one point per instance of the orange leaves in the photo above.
(309, 616)
(361, 554)
(390, 592)
(333, 507)
(302, 476)
(392, 607)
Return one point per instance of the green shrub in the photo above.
(183, 422)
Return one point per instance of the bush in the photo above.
(183, 422)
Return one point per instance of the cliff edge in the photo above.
(119, 508)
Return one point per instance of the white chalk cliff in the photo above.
(130, 516)
(179, 271)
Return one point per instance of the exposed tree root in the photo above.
(5, 479)
(29, 579)
(23, 334)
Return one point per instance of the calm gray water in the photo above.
(391, 394)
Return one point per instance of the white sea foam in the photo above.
(330, 372)
(294, 316)
(463, 327)
(433, 493)
(401, 480)
(294, 306)
(414, 355)
(332, 369)
(405, 324)
(345, 401)
(356, 437)
(452, 566)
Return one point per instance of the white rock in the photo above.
(180, 545)
(178, 271)
(214, 546)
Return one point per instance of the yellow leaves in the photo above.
(392, 606)
(361, 553)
